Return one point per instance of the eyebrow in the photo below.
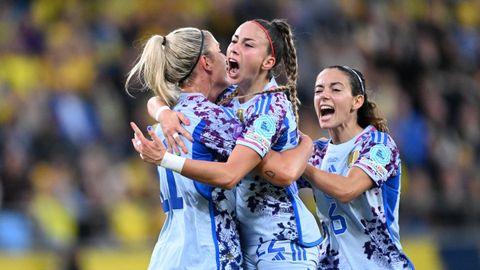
(331, 84)
(244, 39)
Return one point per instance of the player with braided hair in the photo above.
(276, 229)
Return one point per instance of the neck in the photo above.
(200, 85)
(252, 86)
(344, 133)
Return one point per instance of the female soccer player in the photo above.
(356, 176)
(276, 229)
(200, 219)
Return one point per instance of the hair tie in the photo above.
(268, 36)
(198, 58)
(164, 42)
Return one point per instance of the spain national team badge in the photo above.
(239, 114)
(380, 154)
(265, 126)
(352, 157)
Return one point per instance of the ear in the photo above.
(268, 63)
(358, 102)
(205, 63)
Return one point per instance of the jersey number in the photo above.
(173, 201)
(339, 224)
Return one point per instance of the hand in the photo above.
(151, 151)
(306, 140)
(171, 121)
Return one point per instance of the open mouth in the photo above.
(232, 67)
(326, 110)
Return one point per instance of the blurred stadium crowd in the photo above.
(69, 175)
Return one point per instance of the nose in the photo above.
(232, 48)
(324, 95)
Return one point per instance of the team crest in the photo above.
(265, 126)
(239, 114)
(352, 157)
(380, 154)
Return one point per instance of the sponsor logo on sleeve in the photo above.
(376, 168)
(261, 140)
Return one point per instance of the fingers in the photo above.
(175, 144)
(154, 135)
(135, 128)
(182, 131)
(179, 142)
(183, 118)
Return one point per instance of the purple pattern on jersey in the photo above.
(218, 135)
(262, 190)
(230, 253)
(391, 167)
(319, 150)
(270, 200)
(329, 257)
(226, 93)
(220, 129)
(381, 248)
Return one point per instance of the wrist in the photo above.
(159, 111)
(173, 162)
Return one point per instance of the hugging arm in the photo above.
(283, 168)
(220, 174)
(342, 188)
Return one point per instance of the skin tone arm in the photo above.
(342, 188)
(170, 121)
(283, 168)
(280, 168)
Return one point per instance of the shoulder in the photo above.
(199, 106)
(226, 93)
(378, 140)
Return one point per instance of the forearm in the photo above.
(217, 174)
(222, 174)
(342, 188)
(283, 168)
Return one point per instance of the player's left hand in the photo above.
(151, 151)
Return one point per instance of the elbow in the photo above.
(346, 196)
(285, 178)
(229, 181)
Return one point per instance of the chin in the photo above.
(325, 125)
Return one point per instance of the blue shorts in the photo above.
(282, 254)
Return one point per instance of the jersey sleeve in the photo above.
(379, 157)
(218, 127)
(265, 124)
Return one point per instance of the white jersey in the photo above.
(266, 212)
(200, 230)
(364, 233)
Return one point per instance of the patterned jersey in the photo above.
(266, 212)
(200, 230)
(364, 233)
